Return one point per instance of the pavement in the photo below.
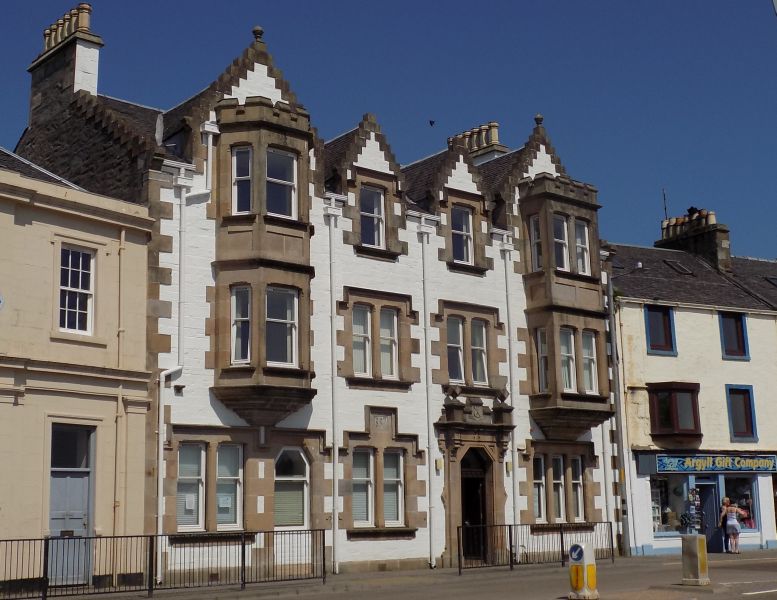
(748, 576)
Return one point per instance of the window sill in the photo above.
(578, 397)
(78, 338)
(291, 370)
(566, 274)
(239, 219)
(749, 439)
(472, 390)
(466, 268)
(291, 222)
(184, 537)
(653, 352)
(360, 382)
(696, 435)
(239, 368)
(378, 253)
(396, 533)
(744, 358)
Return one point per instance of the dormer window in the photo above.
(461, 232)
(372, 219)
(281, 183)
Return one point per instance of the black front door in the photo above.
(710, 520)
(473, 505)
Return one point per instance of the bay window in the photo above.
(241, 324)
(561, 242)
(281, 183)
(568, 374)
(241, 180)
(281, 327)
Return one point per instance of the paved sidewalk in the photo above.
(744, 576)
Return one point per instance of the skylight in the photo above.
(679, 267)
(771, 279)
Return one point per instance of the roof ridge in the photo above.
(651, 248)
(420, 160)
(159, 110)
(41, 169)
(342, 135)
(766, 260)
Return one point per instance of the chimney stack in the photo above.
(698, 232)
(482, 142)
(68, 61)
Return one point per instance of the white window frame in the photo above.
(578, 488)
(391, 340)
(459, 347)
(589, 362)
(305, 489)
(535, 237)
(467, 235)
(235, 151)
(294, 323)
(292, 184)
(236, 321)
(367, 339)
(478, 352)
(569, 359)
(538, 489)
(200, 525)
(370, 481)
(238, 525)
(543, 372)
(562, 242)
(582, 249)
(400, 488)
(378, 219)
(560, 506)
(89, 292)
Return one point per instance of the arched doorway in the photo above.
(475, 502)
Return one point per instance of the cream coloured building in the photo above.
(73, 382)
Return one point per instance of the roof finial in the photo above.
(538, 118)
(258, 32)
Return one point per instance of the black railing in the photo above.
(66, 566)
(510, 545)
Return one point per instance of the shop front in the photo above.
(686, 494)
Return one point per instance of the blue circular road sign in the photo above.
(576, 552)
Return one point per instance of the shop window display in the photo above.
(668, 499)
(741, 490)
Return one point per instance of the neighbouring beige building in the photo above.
(74, 397)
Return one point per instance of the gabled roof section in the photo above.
(241, 70)
(652, 274)
(13, 162)
(425, 178)
(344, 151)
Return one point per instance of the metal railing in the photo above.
(67, 566)
(509, 545)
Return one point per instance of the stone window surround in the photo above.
(259, 141)
(494, 355)
(567, 450)
(546, 211)
(380, 436)
(258, 294)
(480, 263)
(392, 223)
(553, 328)
(406, 345)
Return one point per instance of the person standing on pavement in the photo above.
(722, 523)
(733, 512)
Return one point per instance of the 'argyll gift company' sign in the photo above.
(714, 463)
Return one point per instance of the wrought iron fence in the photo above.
(66, 566)
(510, 545)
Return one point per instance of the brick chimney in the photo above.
(68, 61)
(482, 142)
(699, 233)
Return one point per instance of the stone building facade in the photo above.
(340, 342)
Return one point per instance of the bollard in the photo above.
(582, 573)
(695, 570)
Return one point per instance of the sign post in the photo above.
(582, 573)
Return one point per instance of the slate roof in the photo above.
(420, 175)
(661, 279)
(142, 118)
(13, 162)
(753, 273)
(335, 149)
(495, 171)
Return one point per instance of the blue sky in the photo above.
(637, 95)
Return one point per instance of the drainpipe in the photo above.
(427, 225)
(120, 331)
(619, 424)
(333, 210)
(506, 247)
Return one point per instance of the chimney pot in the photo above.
(484, 141)
(84, 12)
(494, 126)
(46, 39)
(60, 30)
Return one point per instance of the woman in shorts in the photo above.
(732, 512)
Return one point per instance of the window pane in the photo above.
(567, 345)
(454, 364)
(460, 248)
(391, 500)
(242, 163)
(559, 228)
(741, 419)
(279, 199)
(558, 500)
(577, 493)
(361, 319)
(741, 491)
(387, 323)
(289, 509)
(361, 465)
(658, 328)
(189, 460)
(478, 334)
(69, 447)
(386, 358)
(576, 469)
(290, 464)
(226, 503)
(187, 503)
(360, 501)
(243, 199)
(664, 419)
(370, 201)
(391, 462)
(280, 166)
(279, 340)
(460, 219)
(538, 469)
(558, 468)
(229, 461)
(685, 416)
(242, 340)
(733, 334)
(242, 296)
(280, 305)
(454, 331)
(370, 234)
(359, 355)
(479, 366)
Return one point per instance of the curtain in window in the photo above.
(289, 503)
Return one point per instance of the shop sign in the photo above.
(714, 463)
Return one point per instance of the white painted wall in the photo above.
(372, 157)
(542, 164)
(86, 67)
(257, 82)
